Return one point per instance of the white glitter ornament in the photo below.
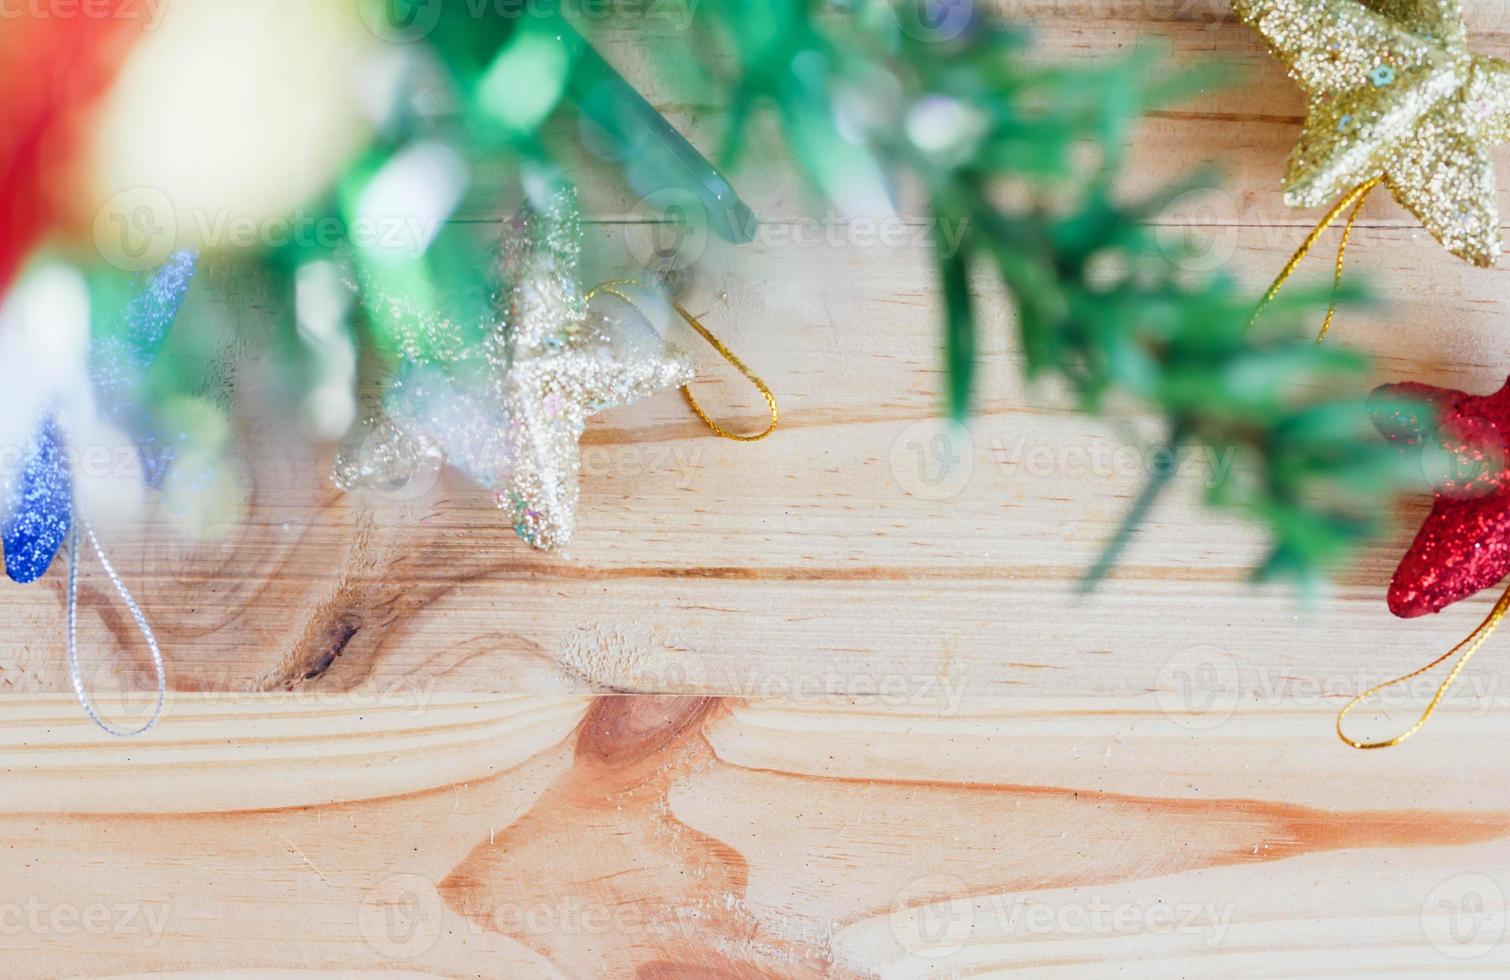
(510, 410)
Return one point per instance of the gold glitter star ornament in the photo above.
(509, 410)
(1394, 93)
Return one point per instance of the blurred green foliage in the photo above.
(885, 95)
(876, 100)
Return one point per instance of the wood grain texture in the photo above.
(682, 836)
(811, 707)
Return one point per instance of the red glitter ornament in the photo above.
(1464, 544)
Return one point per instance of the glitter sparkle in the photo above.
(510, 410)
(1464, 544)
(1394, 91)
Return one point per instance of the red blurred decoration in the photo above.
(56, 68)
(1464, 544)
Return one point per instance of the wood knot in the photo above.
(622, 729)
(337, 638)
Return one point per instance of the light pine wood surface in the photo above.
(826, 705)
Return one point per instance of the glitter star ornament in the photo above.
(509, 410)
(1394, 93)
(1464, 544)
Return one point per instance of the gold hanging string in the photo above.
(1354, 199)
(1469, 646)
(728, 355)
(611, 288)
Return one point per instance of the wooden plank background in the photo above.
(817, 706)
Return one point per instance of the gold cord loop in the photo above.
(1354, 199)
(611, 288)
(1469, 646)
(754, 379)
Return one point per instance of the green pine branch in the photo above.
(963, 108)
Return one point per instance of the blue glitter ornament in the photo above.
(41, 509)
(119, 362)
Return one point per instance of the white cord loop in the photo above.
(73, 636)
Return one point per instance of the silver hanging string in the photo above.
(73, 635)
